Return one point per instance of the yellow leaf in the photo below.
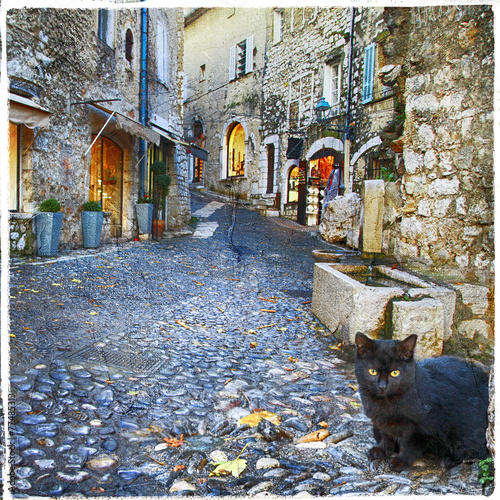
(76, 281)
(93, 313)
(292, 359)
(355, 404)
(35, 291)
(12, 335)
(314, 437)
(56, 284)
(254, 418)
(132, 393)
(234, 467)
(253, 344)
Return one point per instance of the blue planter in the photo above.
(92, 228)
(144, 217)
(48, 228)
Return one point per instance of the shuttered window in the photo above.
(105, 29)
(162, 53)
(241, 59)
(368, 73)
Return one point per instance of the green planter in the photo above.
(48, 229)
(92, 228)
(144, 217)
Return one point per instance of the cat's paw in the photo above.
(376, 453)
(397, 465)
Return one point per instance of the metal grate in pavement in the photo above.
(122, 359)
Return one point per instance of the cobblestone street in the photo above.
(133, 363)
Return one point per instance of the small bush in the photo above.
(144, 199)
(50, 205)
(91, 206)
(158, 167)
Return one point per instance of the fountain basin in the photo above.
(383, 303)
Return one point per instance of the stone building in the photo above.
(225, 58)
(94, 99)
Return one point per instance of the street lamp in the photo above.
(325, 114)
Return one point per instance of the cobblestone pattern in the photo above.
(116, 349)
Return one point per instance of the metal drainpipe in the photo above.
(347, 150)
(143, 94)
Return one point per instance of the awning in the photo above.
(198, 152)
(131, 126)
(168, 136)
(24, 111)
(294, 150)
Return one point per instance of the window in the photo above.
(333, 85)
(300, 106)
(199, 141)
(293, 185)
(368, 72)
(270, 168)
(241, 59)
(202, 73)
(106, 26)
(162, 53)
(278, 26)
(129, 43)
(236, 151)
(14, 165)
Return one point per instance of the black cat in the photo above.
(437, 405)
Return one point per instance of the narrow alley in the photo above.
(133, 365)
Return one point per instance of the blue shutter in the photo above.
(368, 73)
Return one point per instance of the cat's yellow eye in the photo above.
(395, 373)
(372, 371)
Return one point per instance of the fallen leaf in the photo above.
(315, 436)
(353, 387)
(76, 281)
(355, 404)
(323, 424)
(253, 344)
(268, 310)
(173, 442)
(292, 359)
(234, 467)
(56, 284)
(93, 313)
(178, 467)
(254, 418)
(179, 322)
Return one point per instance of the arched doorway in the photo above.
(236, 150)
(326, 168)
(106, 180)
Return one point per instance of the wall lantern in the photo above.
(324, 114)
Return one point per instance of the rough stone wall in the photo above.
(447, 186)
(216, 101)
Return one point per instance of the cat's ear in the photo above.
(406, 348)
(364, 344)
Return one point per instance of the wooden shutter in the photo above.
(232, 63)
(249, 55)
(368, 72)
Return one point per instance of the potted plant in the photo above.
(144, 210)
(92, 219)
(161, 183)
(48, 223)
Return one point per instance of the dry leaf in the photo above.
(179, 322)
(173, 442)
(178, 467)
(254, 418)
(314, 436)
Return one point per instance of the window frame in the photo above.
(278, 24)
(241, 59)
(129, 46)
(15, 182)
(307, 120)
(105, 26)
(329, 84)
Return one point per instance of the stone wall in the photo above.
(447, 186)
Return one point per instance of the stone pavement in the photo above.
(132, 365)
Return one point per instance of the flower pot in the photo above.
(144, 217)
(92, 228)
(158, 228)
(48, 229)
